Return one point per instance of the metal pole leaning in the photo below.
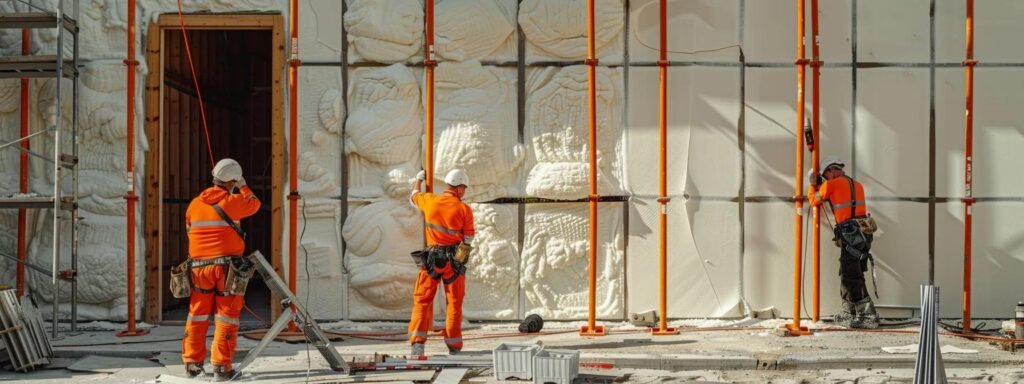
(592, 329)
(663, 199)
(795, 329)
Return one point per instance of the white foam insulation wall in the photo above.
(511, 109)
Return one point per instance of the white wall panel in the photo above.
(771, 126)
(555, 261)
(998, 132)
(994, 30)
(713, 156)
(557, 30)
(702, 253)
(768, 256)
(642, 136)
(949, 132)
(320, 30)
(770, 31)
(892, 131)
(901, 251)
(692, 26)
(893, 31)
(997, 262)
(557, 130)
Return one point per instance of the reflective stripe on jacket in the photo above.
(448, 220)
(208, 234)
(837, 192)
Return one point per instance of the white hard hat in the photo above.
(227, 170)
(456, 177)
(832, 161)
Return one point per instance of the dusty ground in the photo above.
(752, 354)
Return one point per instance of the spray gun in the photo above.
(809, 136)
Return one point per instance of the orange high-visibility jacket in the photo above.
(837, 192)
(209, 235)
(449, 220)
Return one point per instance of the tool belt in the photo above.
(433, 258)
(236, 279)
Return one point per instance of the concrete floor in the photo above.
(753, 354)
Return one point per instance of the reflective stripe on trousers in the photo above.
(197, 318)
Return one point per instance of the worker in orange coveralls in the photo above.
(846, 196)
(449, 228)
(213, 244)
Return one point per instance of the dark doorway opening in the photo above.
(234, 70)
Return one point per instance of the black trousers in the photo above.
(853, 288)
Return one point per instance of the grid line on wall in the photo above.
(931, 144)
(521, 126)
(344, 158)
(741, 138)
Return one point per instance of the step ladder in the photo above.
(293, 311)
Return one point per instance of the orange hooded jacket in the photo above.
(209, 236)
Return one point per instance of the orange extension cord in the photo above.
(195, 80)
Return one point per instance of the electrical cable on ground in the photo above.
(309, 363)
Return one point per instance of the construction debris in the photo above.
(22, 333)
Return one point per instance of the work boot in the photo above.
(454, 351)
(418, 349)
(845, 314)
(866, 316)
(194, 369)
(222, 373)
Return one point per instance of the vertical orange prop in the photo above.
(430, 64)
(131, 197)
(23, 172)
(592, 329)
(969, 64)
(815, 158)
(663, 199)
(293, 150)
(795, 329)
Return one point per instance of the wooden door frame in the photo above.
(153, 308)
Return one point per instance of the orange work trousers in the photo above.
(228, 310)
(423, 307)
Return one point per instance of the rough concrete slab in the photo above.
(106, 364)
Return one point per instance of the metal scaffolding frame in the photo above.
(63, 202)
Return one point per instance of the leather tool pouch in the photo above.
(867, 224)
(181, 280)
(419, 257)
(237, 279)
(462, 253)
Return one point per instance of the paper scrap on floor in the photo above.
(912, 349)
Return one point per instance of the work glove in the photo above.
(814, 178)
(240, 182)
(422, 175)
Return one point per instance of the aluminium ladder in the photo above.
(61, 65)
